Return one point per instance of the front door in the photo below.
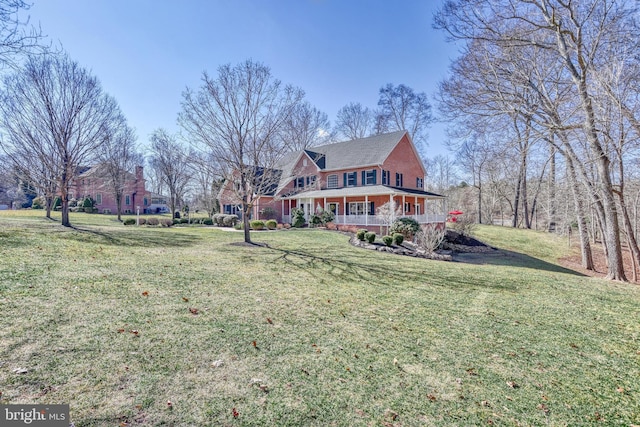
(334, 208)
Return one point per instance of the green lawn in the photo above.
(118, 321)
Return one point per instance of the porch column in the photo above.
(403, 202)
(282, 210)
(415, 205)
(344, 209)
(325, 204)
(366, 210)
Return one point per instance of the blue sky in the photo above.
(146, 52)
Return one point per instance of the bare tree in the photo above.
(55, 115)
(306, 127)
(239, 118)
(401, 108)
(171, 165)
(576, 40)
(388, 213)
(118, 156)
(206, 179)
(354, 121)
(17, 37)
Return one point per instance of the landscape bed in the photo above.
(183, 326)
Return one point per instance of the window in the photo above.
(386, 177)
(127, 200)
(350, 179)
(369, 177)
(419, 183)
(311, 180)
(146, 201)
(332, 181)
(304, 162)
(407, 207)
(98, 199)
(299, 182)
(418, 209)
(399, 182)
(357, 208)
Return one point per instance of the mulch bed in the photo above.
(453, 244)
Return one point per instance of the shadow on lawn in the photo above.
(144, 238)
(376, 271)
(507, 258)
(385, 271)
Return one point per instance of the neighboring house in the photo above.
(92, 182)
(351, 179)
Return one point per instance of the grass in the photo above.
(310, 330)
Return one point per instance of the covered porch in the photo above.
(360, 205)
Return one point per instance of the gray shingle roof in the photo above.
(356, 153)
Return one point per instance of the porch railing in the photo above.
(373, 220)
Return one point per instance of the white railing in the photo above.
(372, 220)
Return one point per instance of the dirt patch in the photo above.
(574, 262)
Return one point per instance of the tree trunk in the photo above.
(525, 196)
(119, 206)
(245, 220)
(551, 226)
(585, 245)
(49, 205)
(631, 239)
(516, 201)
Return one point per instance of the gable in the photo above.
(405, 157)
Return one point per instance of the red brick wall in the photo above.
(404, 160)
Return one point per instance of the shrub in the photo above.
(239, 226)
(286, 226)
(217, 219)
(387, 240)
(370, 236)
(79, 209)
(398, 239)
(230, 220)
(72, 203)
(429, 238)
(257, 224)
(327, 217)
(175, 221)
(37, 203)
(142, 221)
(57, 202)
(464, 224)
(87, 203)
(207, 221)
(272, 224)
(166, 222)
(184, 220)
(315, 220)
(176, 215)
(297, 216)
(129, 221)
(153, 221)
(361, 234)
(408, 227)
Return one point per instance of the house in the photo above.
(351, 179)
(92, 182)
